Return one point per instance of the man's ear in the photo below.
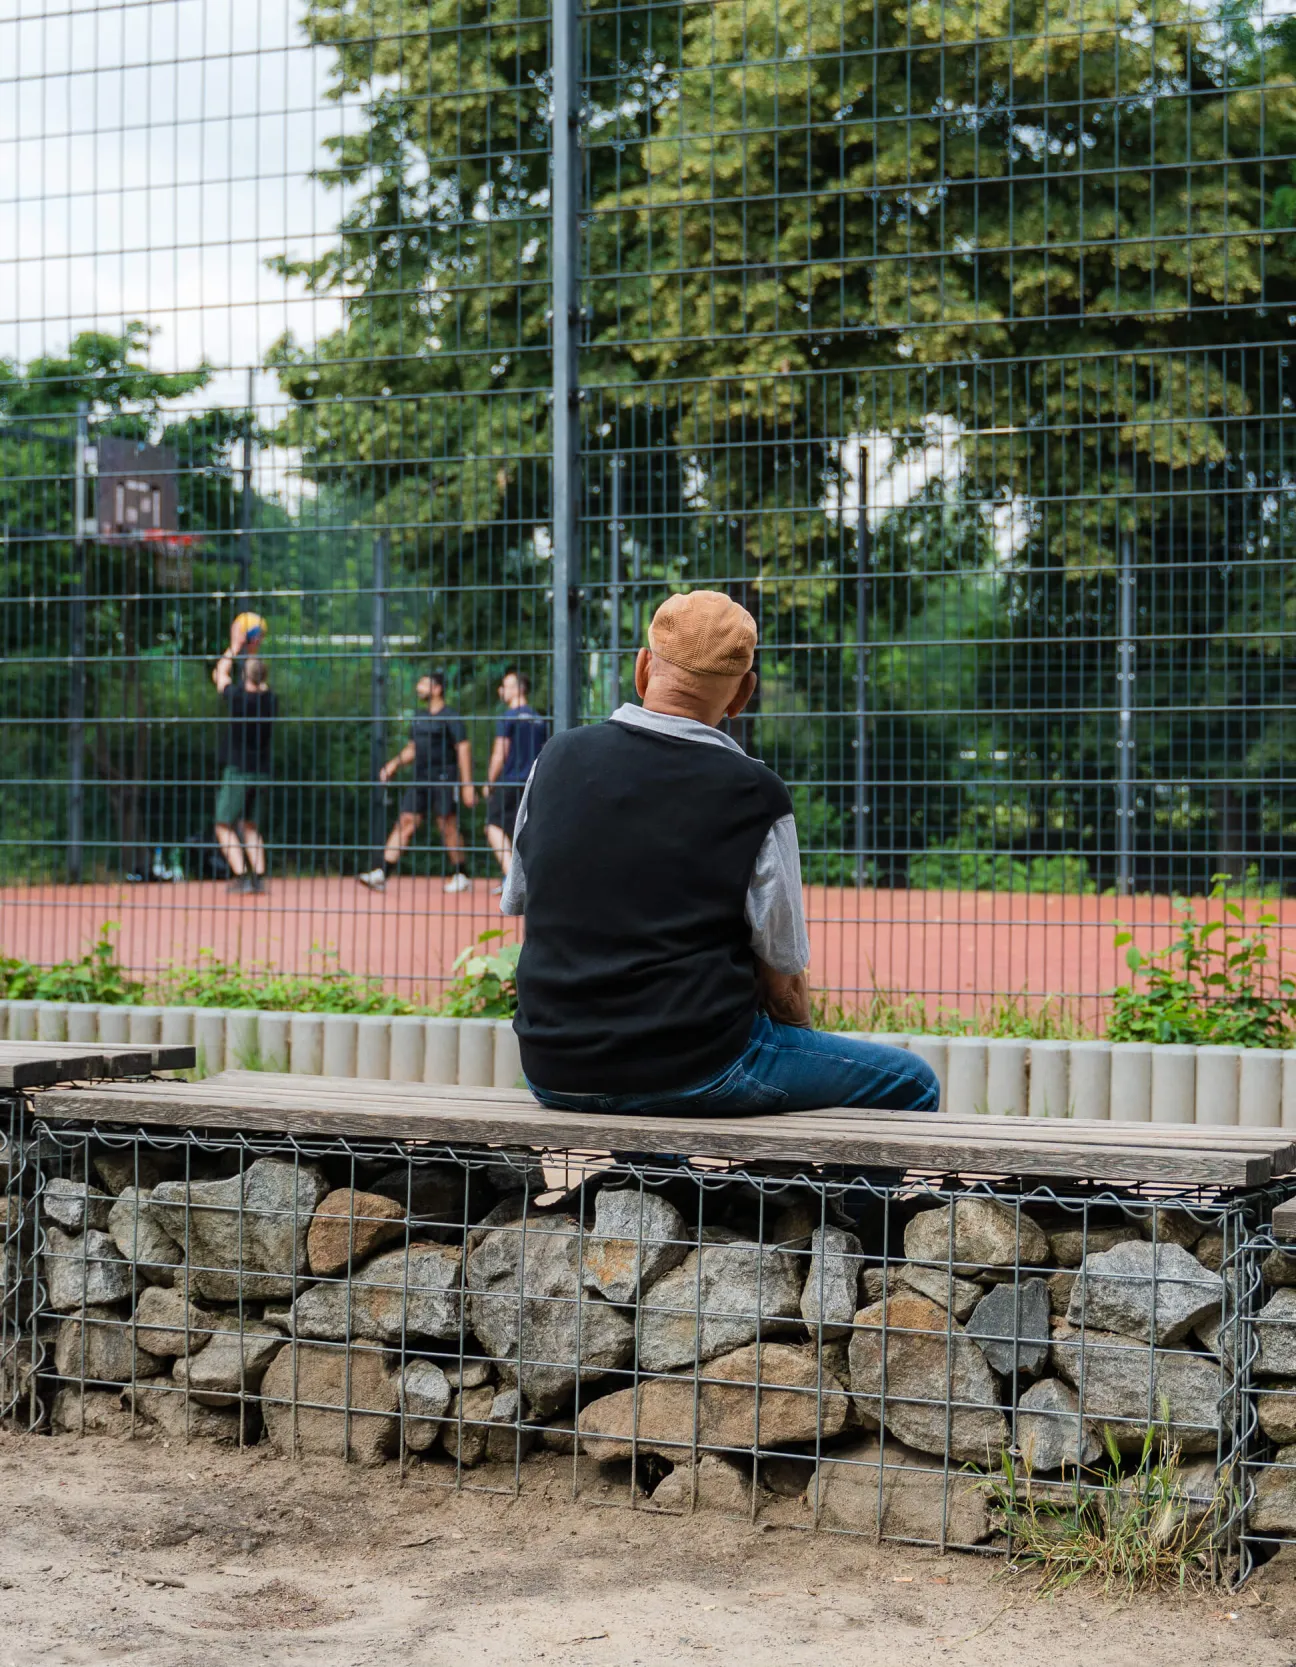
(746, 689)
(643, 670)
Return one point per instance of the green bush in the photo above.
(950, 867)
(1217, 982)
(95, 977)
(214, 983)
(487, 984)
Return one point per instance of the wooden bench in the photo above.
(322, 1107)
(38, 1064)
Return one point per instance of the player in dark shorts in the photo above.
(441, 753)
(519, 736)
(245, 753)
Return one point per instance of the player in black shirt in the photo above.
(245, 754)
(441, 754)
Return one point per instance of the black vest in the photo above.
(637, 973)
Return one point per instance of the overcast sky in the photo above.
(153, 154)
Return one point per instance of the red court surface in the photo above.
(953, 948)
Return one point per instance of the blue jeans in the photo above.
(784, 1068)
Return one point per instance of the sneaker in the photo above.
(241, 884)
(375, 879)
(498, 891)
(458, 882)
(258, 884)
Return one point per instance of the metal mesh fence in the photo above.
(950, 339)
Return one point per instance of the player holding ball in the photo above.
(245, 752)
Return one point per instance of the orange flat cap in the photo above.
(704, 631)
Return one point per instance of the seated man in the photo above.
(657, 866)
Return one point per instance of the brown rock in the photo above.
(987, 1236)
(1276, 1410)
(103, 1411)
(160, 1402)
(168, 1325)
(1273, 1511)
(329, 1384)
(1060, 1287)
(725, 1407)
(231, 1364)
(718, 1485)
(467, 1425)
(104, 1352)
(917, 1500)
(1071, 1244)
(929, 1360)
(350, 1225)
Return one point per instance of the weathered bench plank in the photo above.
(372, 1110)
(39, 1064)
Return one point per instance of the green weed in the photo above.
(487, 984)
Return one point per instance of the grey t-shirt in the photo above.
(774, 910)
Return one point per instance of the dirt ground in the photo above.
(164, 1555)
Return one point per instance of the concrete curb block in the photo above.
(1091, 1079)
(508, 1057)
(339, 1045)
(1131, 1082)
(1007, 1063)
(51, 1021)
(22, 1020)
(477, 1053)
(306, 1044)
(145, 1024)
(209, 1040)
(1217, 1086)
(966, 1061)
(272, 1040)
(441, 1050)
(114, 1024)
(83, 1023)
(1050, 1079)
(1174, 1083)
(373, 1047)
(408, 1049)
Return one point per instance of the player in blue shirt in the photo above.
(519, 736)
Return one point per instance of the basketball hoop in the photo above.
(173, 554)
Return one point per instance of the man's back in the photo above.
(247, 742)
(638, 849)
(526, 732)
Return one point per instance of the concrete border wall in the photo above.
(1132, 1082)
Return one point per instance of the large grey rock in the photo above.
(168, 1325)
(403, 1293)
(714, 1484)
(941, 1286)
(1275, 1327)
(940, 1393)
(142, 1239)
(131, 1167)
(987, 1235)
(87, 1268)
(662, 1414)
(708, 1305)
(1072, 1243)
(1276, 1410)
(832, 1283)
(526, 1305)
(74, 1206)
(425, 1399)
(1050, 1431)
(159, 1402)
(101, 1410)
(507, 1437)
(1011, 1324)
(1171, 1224)
(326, 1402)
(463, 1435)
(638, 1236)
(232, 1363)
(1140, 1290)
(1126, 1383)
(245, 1234)
(102, 1350)
(916, 1499)
(1273, 1510)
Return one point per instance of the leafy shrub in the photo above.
(889, 1011)
(951, 867)
(1217, 982)
(487, 984)
(214, 983)
(95, 977)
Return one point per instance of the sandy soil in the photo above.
(171, 1556)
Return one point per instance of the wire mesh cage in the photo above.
(953, 345)
(913, 1358)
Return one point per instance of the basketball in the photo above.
(250, 626)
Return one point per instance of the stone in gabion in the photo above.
(1012, 1326)
(1071, 1244)
(929, 1361)
(724, 1407)
(142, 1239)
(270, 1206)
(88, 1268)
(74, 1206)
(1276, 1334)
(101, 1408)
(1172, 1225)
(231, 1364)
(1139, 1290)
(941, 1286)
(987, 1235)
(347, 1402)
(1060, 1286)
(1273, 1511)
(554, 1318)
(1050, 1432)
(425, 1400)
(708, 1305)
(1209, 1251)
(348, 1226)
(626, 1219)
(916, 1500)
(463, 1435)
(101, 1351)
(1128, 1384)
(717, 1484)
(505, 1441)
(158, 1401)
(407, 1293)
(168, 1325)
(1279, 1268)
(131, 1167)
(833, 1275)
(1276, 1410)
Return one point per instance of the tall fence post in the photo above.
(378, 693)
(77, 656)
(863, 555)
(1125, 738)
(565, 305)
(245, 504)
